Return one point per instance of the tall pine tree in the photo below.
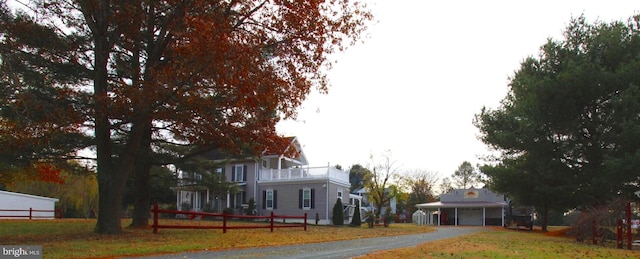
(567, 132)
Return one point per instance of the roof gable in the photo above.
(296, 148)
(471, 195)
(247, 154)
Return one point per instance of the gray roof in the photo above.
(467, 198)
(470, 204)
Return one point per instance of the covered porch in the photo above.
(461, 213)
(202, 199)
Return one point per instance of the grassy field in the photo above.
(69, 238)
(73, 238)
(503, 243)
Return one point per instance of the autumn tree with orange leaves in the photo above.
(128, 78)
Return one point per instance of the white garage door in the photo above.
(470, 217)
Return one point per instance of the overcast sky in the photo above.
(425, 69)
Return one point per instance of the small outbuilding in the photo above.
(15, 205)
(464, 207)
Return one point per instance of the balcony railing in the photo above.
(306, 173)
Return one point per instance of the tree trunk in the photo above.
(141, 181)
(110, 181)
(380, 204)
(142, 197)
(379, 211)
(545, 218)
(110, 188)
(142, 167)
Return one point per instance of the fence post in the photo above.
(271, 224)
(155, 218)
(30, 213)
(305, 222)
(224, 221)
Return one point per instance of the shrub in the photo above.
(601, 219)
(228, 211)
(185, 206)
(371, 217)
(251, 208)
(208, 208)
(169, 206)
(356, 221)
(338, 215)
(388, 216)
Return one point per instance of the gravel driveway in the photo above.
(336, 249)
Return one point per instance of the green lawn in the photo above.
(503, 243)
(73, 238)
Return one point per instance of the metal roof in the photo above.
(471, 204)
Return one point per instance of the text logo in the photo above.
(20, 251)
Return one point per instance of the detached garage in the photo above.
(15, 205)
(464, 207)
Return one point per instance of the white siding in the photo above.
(19, 201)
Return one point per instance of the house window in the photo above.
(306, 198)
(197, 176)
(340, 194)
(239, 173)
(264, 163)
(270, 199)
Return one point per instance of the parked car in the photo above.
(517, 221)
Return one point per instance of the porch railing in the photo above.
(303, 173)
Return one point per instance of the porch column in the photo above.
(502, 216)
(484, 214)
(196, 200)
(179, 200)
(207, 202)
(426, 213)
(455, 219)
(255, 183)
(228, 200)
(439, 215)
(327, 211)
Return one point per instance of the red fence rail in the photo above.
(56, 214)
(192, 214)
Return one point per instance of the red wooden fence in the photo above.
(155, 210)
(56, 214)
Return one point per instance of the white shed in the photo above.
(15, 205)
